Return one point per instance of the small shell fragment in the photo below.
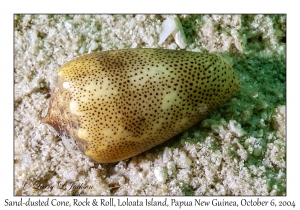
(117, 104)
(168, 26)
(173, 26)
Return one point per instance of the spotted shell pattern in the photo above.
(117, 104)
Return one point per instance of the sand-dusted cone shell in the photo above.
(117, 104)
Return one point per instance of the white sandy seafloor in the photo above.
(239, 150)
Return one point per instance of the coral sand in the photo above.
(240, 149)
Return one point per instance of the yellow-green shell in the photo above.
(117, 104)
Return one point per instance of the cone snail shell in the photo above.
(117, 104)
